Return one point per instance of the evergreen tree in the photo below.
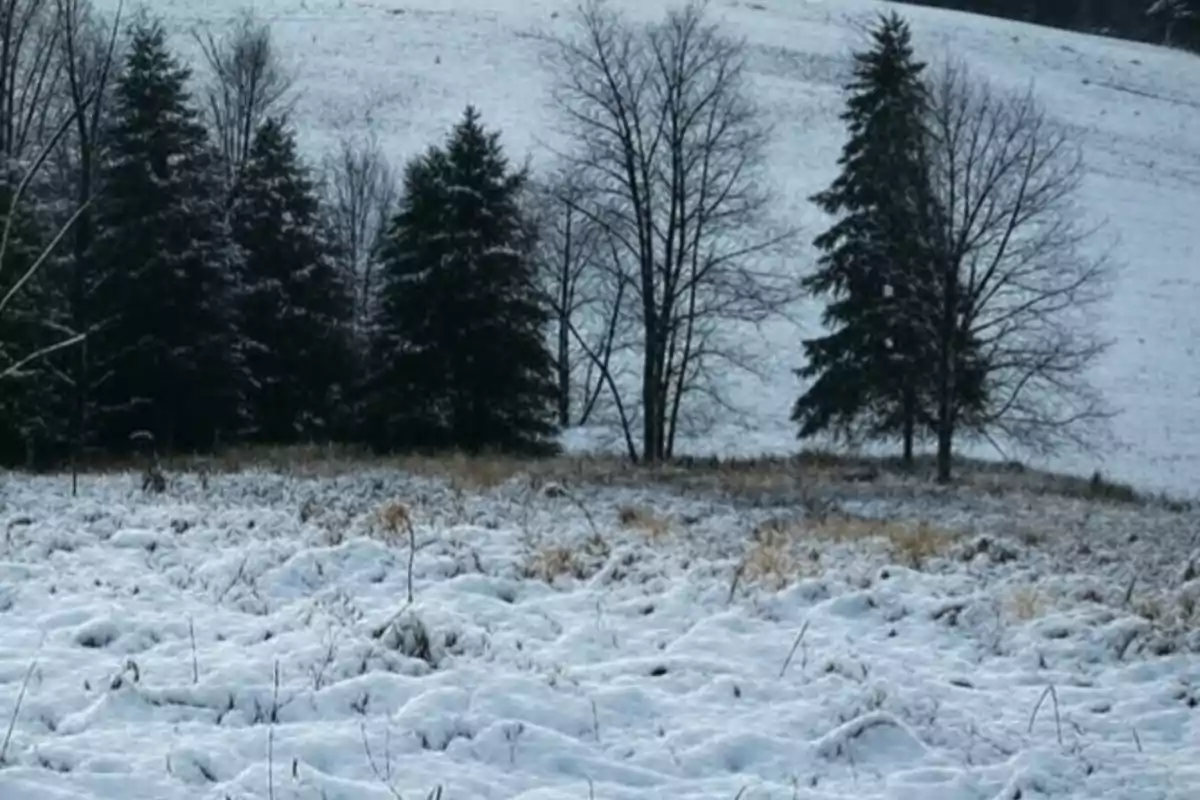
(175, 369)
(873, 370)
(459, 355)
(294, 306)
(29, 428)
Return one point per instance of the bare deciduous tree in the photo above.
(362, 192)
(30, 75)
(1013, 283)
(671, 149)
(88, 52)
(247, 82)
(582, 284)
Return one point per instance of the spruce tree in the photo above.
(294, 306)
(29, 427)
(176, 370)
(459, 354)
(873, 370)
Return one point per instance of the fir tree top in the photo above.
(887, 101)
(153, 106)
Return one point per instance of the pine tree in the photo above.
(170, 342)
(29, 428)
(459, 354)
(295, 309)
(873, 370)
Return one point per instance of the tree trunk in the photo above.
(650, 447)
(564, 332)
(910, 423)
(946, 383)
(564, 376)
(652, 410)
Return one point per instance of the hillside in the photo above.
(406, 69)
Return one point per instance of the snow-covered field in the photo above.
(406, 69)
(250, 638)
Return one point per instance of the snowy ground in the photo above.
(406, 69)
(251, 639)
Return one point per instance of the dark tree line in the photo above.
(1175, 23)
(171, 269)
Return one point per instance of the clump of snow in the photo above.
(1059, 665)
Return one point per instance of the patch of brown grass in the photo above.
(912, 543)
(916, 546)
(769, 560)
(546, 561)
(550, 562)
(1026, 603)
(645, 520)
(393, 523)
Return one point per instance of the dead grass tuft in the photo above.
(393, 523)
(913, 544)
(552, 561)
(645, 520)
(1026, 603)
(915, 547)
(769, 560)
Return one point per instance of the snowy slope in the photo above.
(408, 67)
(251, 640)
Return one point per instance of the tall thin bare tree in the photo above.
(88, 51)
(671, 147)
(247, 82)
(362, 191)
(1013, 280)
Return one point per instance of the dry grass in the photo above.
(769, 560)
(550, 562)
(393, 523)
(916, 546)
(1026, 603)
(912, 543)
(645, 520)
(757, 480)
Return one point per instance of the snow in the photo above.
(406, 69)
(249, 637)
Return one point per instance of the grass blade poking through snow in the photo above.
(1053, 694)
(195, 660)
(271, 733)
(795, 646)
(12, 721)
